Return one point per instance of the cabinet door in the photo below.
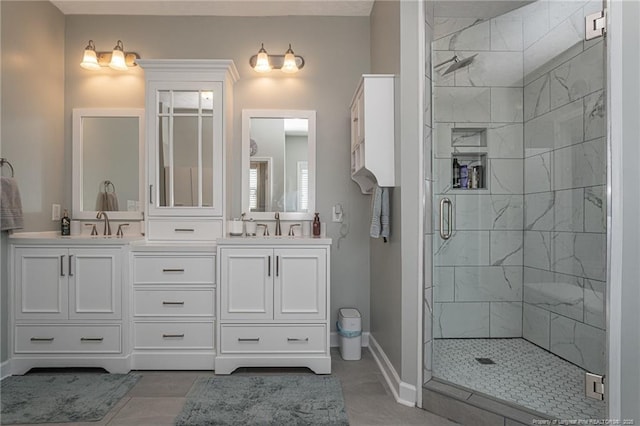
(185, 148)
(41, 283)
(95, 283)
(300, 284)
(246, 284)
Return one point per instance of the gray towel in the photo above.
(107, 202)
(376, 211)
(10, 205)
(380, 225)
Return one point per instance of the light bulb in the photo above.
(90, 60)
(117, 58)
(262, 61)
(289, 65)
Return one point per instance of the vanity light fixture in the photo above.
(117, 59)
(288, 63)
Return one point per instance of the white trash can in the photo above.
(349, 327)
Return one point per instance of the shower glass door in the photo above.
(519, 194)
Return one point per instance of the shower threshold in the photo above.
(523, 382)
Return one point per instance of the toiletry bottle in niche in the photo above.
(464, 177)
(456, 173)
(474, 178)
(65, 224)
(316, 225)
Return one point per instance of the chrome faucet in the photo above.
(107, 225)
(291, 232)
(278, 229)
(265, 233)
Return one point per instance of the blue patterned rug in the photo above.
(264, 400)
(61, 398)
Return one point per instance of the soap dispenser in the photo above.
(65, 224)
(316, 225)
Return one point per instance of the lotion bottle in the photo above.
(65, 224)
(316, 225)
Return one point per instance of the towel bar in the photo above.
(4, 161)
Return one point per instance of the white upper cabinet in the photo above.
(188, 119)
(373, 132)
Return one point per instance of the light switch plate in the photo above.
(337, 213)
(55, 212)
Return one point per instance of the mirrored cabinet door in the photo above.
(186, 167)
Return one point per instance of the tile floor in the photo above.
(159, 396)
(523, 373)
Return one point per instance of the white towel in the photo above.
(380, 225)
(10, 205)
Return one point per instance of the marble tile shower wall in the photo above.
(527, 256)
(478, 275)
(428, 228)
(565, 186)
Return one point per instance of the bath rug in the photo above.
(61, 398)
(264, 400)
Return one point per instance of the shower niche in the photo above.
(469, 158)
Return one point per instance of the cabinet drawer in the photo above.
(182, 302)
(173, 335)
(174, 269)
(67, 339)
(273, 339)
(184, 230)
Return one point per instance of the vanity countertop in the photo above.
(273, 240)
(54, 238)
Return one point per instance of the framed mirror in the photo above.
(279, 163)
(108, 162)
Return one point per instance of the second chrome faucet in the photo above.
(107, 225)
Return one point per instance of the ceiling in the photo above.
(482, 9)
(216, 7)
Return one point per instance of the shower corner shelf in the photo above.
(373, 133)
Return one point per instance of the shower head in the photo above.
(458, 63)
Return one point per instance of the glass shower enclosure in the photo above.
(519, 160)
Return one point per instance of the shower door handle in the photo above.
(446, 235)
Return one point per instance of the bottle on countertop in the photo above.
(456, 173)
(316, 225)
(65, 224)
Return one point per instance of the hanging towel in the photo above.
(384, 215)
(376, 211)
(107, 201)
(10, 205)
(380, 225)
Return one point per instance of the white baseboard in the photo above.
(5, 369)
(335, 339)
(404, 393)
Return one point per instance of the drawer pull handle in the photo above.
(174, 336)
(173, 303)
(42, 339)
(62, 265)
(184, 230)
(293, 339)
(91, 339)
(173, 270)
(251, 339)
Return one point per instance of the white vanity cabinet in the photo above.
(173, 305)
(66, 305)
(189, 117)
(273, 303)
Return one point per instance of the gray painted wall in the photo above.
(386, 258)
(630, 131)
(41, 150)
(32, 117)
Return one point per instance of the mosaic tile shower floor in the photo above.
(523, 374)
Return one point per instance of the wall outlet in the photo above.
(337, 213)
(55, 212)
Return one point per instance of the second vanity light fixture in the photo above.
(117, 59)
(288, 63)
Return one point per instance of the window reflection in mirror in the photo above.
(107, 158)
(278, 163)
(185, 149)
